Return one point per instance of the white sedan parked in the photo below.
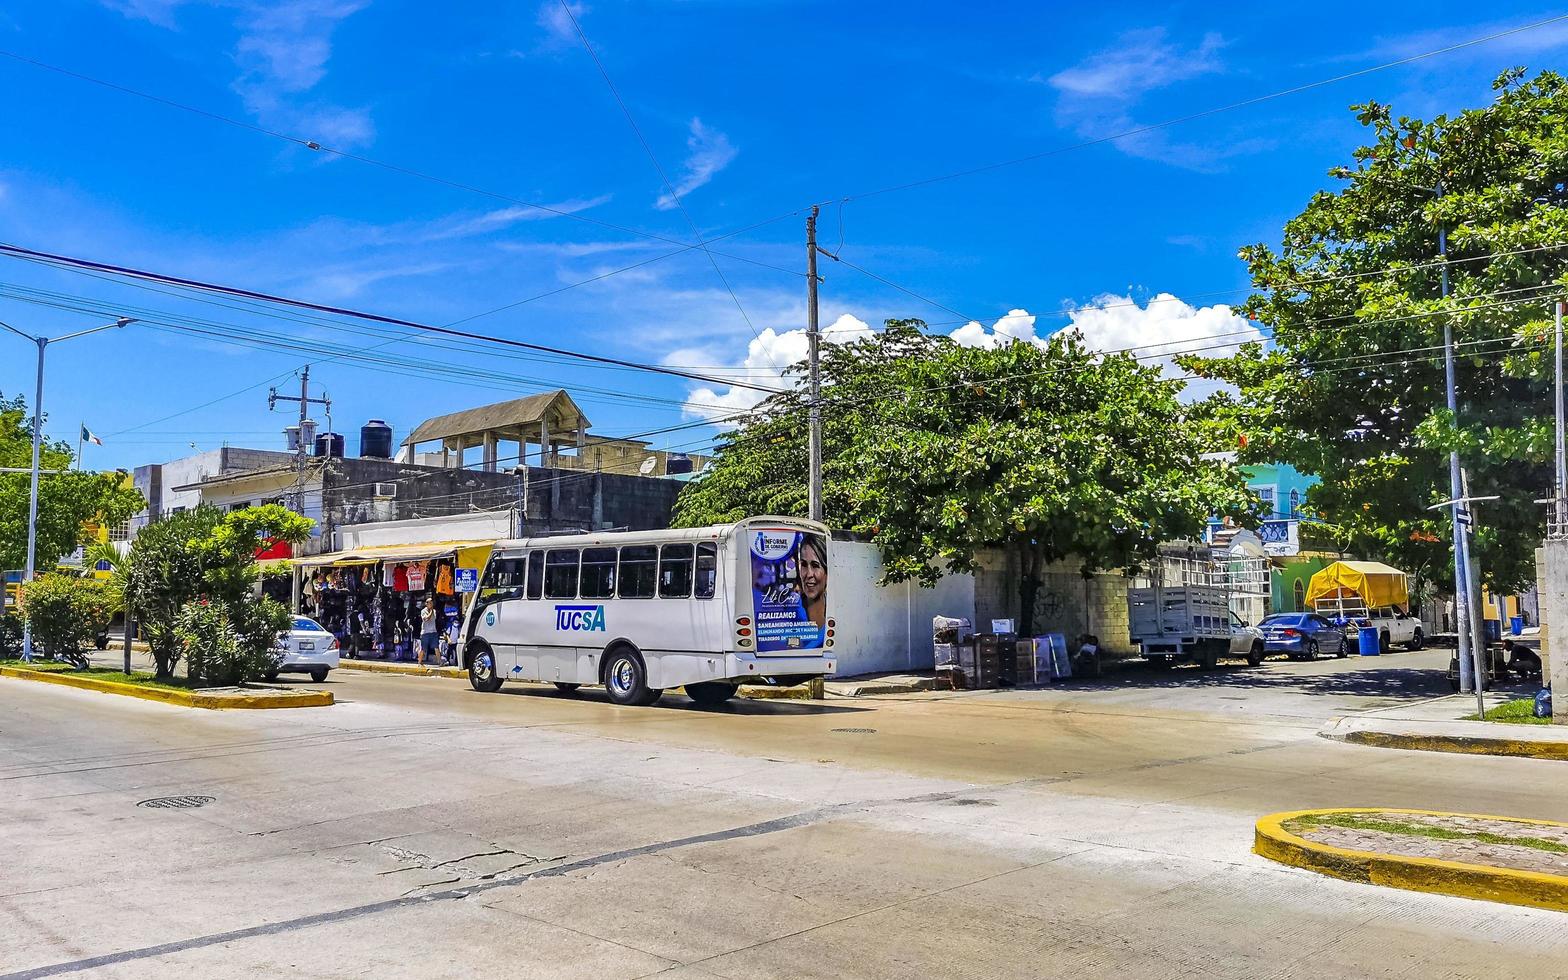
(307, 648)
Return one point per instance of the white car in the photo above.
(307, 648)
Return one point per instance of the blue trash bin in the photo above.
(1516, 625)
(1369, 641)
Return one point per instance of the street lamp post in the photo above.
(38, 438)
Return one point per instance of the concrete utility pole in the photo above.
(302, 451)
(38, 438)
(1560, 491)
(813, 341)
(1462, 595)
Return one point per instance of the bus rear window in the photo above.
(675, 571)
(639, 571)
(560, 574)
(598, 573)
(707, 569)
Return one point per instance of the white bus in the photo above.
(705, 608)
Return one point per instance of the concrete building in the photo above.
(174, 486)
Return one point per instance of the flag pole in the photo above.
(80, 429)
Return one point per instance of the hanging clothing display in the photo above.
(416, 577)
(400, 578)
(444, 579)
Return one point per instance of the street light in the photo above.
(38, 437)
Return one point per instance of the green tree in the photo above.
(202, 554)
(67, 501)
(1052, 451)
(65, 613)
(1353, 389)
(227, 644)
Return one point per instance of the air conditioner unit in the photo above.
(386, 491)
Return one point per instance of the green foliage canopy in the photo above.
(1353, 390)
(66, 501)
(937, 450)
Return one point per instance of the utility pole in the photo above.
(813, 341)
(1560, 493)
(38, 438)
(301, 451)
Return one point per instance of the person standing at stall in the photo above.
(427, 630)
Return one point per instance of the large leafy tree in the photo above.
(205, 556)
(67, 501)
(936, 451)
(1353, 388)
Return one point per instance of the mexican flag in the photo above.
(87, 436)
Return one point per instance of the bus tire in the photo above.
(711, 694)
(626, 679)
(483, 675)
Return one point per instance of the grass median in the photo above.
(138, 678)
(1520, 712)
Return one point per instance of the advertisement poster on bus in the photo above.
(789, 589)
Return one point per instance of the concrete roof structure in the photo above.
(502, 416)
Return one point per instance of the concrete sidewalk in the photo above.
(1439, 725)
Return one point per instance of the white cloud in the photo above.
(1162, 328)
(1016, 325)
(557, 25)
(1138, 63)
(709, 151)
(766, 356)
(159, 12)
(1097, 96)
(506, 217)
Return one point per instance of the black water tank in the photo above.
(375, 440)
(676, 463)
(330, 444)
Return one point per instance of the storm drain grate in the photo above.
(176, 802)
(855, 731)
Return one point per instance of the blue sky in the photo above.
(753, 109)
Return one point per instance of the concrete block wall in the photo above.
(1067, 602)
(886, 628)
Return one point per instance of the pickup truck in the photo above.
(1172, 624)
(1393, 625)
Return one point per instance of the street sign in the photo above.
(1463, 518)
(468, 580)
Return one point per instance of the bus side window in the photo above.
(598, 573)
(639, 571)
(707, 569)
(535, 574)
(675, 571)
(560, 574)
(503, 580)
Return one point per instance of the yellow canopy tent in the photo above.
(1375, 583)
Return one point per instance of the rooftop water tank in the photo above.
(375, 439)
(676, 463)
(330, 444)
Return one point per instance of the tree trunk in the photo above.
(165, 660)
(1028, 588)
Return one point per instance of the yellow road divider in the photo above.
(1423, 874)
(214, 698)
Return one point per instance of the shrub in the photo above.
(228, 644)
(66, 612)
(10, 635)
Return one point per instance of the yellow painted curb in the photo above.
(175, 696)
(412, 670)
(1514, 887)
(1464, 744)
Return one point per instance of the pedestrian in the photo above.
(427, 630)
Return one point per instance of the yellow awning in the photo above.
(423, 551)
(1375, 583)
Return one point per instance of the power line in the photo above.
(62, 260)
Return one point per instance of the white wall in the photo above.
(886, 629)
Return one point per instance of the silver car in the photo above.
(307, 648)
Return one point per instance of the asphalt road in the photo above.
(420, 829)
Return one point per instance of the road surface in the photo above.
(420, 829)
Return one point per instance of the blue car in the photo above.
(1301, 636)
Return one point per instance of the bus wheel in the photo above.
(711, 693)
(482, 673)
(626, 679)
